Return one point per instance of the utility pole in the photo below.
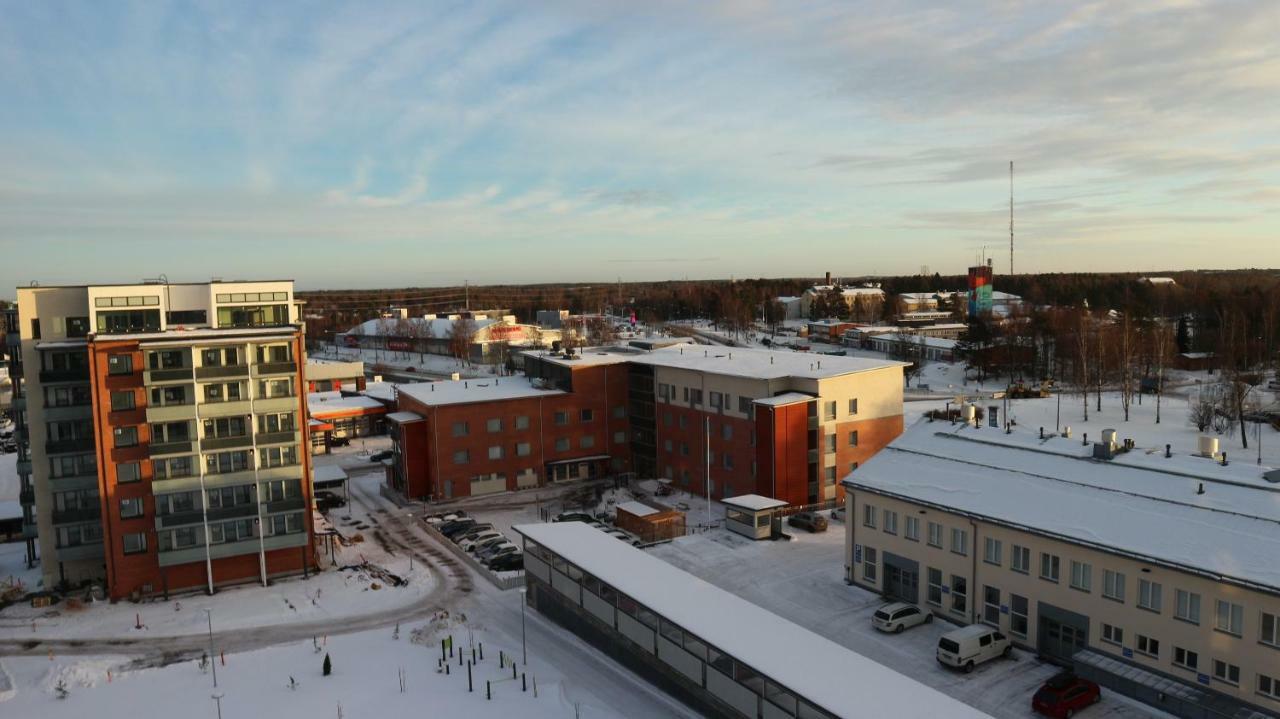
(707, 429)
(1010, 218)
(466, 290)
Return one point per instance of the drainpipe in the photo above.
(973, 574)
(851, 533)
(204, 510)
(257, 483)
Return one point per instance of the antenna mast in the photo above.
(1011, 217)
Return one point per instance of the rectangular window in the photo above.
(1148, 646)
(1081, 576)
(1229, 618)
(1149, 595)
(960, 541)
(130, 508)
(935, 535)
(523, 449)
(726, 431)
(495, 452)
(1050, 567)
(726, 461)
(620, 412)
(991, 551)
(1186, 606)
(1112, 634)
(1269, 632)
(125, 436)
(120, 364)
(587, 441)
(935, 587)
(619, 437)
(831, 443)
(853, 438)
(561, 417)
(828, 411)
(493, 425)
(586, 415)
(744, 405)
(522, 422)
(912, 529)
(121, 401)
(128, 472)
(717, 400)
(461, 429)
(1018, 615)
(462, 456)
(1224, 672)
(853, 406)
(991, 606)
(1113, 585)
(135, 543)
(890, 520)
(695, 397)
(562, 444)
(278, 457)
(868, 516)
(1185, 658)
(869, 564)
(959, 594)
(1268, 687)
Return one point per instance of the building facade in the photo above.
(164, 431)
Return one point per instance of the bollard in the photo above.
(1224, 459)
(446, 669)
(513, 670)
(459, 658)
(535, 687)
(488, 690)
(450, 646)
(1042, 433)
(473, 655)
(502, 660)
(1168, 450)
(468, 677)
(442, 649)
(524, 683)
(481, 651)
(1084, 439)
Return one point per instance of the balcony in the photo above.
(813, 456)
(214, 443)
(275, 404)
(222, 371)
(80, 552)
(180, 374)
(160, 449)
(170, 412)
(179, 519)
(77, 516)
(292, 504)
(74, 374)
(225, 409)
(267, 368)
(65, 446)
(239, 511)
(27, 495)
(813, 422)
(24, 467)
(68, 412)
(287, 436)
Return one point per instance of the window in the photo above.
(273, 388)
(1147, 645)
(935, 535)
(220, 357)
(587, 441)
(495, 452)
(523, 449)
(586, 415)
(224, 462)
(461, 429)
(890, 520)
(684, 449)
(620, 411)
(682, 421)
(1050, 567)
(1149, 595)
(462, 456)
(135, 543)
(869, 564)
(744, 405)
(1185, 658)
(522, 422)
(253, 315)
(1186, 606)
(128, 472)
(991, 551)
(726, 431)
(1270, 629)
(1018, 615)
(828, 411)
(277, 457)
(960, 541)
(1229, 618)
(276, 422)
(912, 529)
(172, 468)
(125, 436)
(991, 606)
(1113, 585)
(868, 516)
(117, 321)
(1112, 634)
(1224, 672)
(935, 587)
(717, 400)
(120, 364)
(620, 437)
(274, 354)
(562, 444)
(561, 417)
(1081, 576)
(121, 401)
(726, 461)
(853, 405)
(853, 438)
(226, 427)
(695, 397)
(1269, 686)
(130, 508)
(493, 425)
(852, 467)
(959, 594)
(166, 396)
(166, 359)
(831, 443)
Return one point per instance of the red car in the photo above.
(1064, 695)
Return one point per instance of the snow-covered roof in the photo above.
(463, 391)
(753, 502)
(328, 473)
(1139, 504)
(786, 300)
(870, 291)
(438, 327)
(403, 417)
(204, 333)
(837, 679)
(759, 364)
(637, 508)
(343, 405)
(10, 509)
(785, 398)
(380, 390)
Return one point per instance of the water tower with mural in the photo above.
(980, 289)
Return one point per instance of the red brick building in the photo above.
(730, 421)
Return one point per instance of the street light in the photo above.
(217, 697)
(524, 650)
(410, 516)
(213, 661)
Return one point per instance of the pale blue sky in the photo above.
(416, 143)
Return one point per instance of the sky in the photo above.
(423, 144)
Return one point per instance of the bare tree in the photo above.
(1084, 329)
(1127, 348)
(461, 335)
(1162, 341)
(1201, 412)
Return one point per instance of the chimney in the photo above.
(828, 279)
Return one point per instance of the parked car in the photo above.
(469, 544)
(339, 441)
(496, 550)
(811, 521)
(618, 533)
(1064, 695)
(664, 489)
(472, 531)
(574, 517)
(969, 646)
(438, 519)
(898, 616)
(457, 526)
(837, 514)
(379, 456)
(326, 500)
(507, 562)
(489, 543)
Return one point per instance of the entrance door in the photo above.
(1061, 633)
(901, 578)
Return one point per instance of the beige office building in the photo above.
(1157, 576)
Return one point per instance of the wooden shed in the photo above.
(650, 522)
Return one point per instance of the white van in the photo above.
(975, 644)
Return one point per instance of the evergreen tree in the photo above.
(328, 666)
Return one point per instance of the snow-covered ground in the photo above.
(9, 486)
(399, 362)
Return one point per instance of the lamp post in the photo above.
(217, 697)
(213, 660)
(524, 650)
(410, 516)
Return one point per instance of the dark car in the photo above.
(1064, 695)
(811, 521)
(507, 562)
(486, 555)
(326, 501)
(379, 456)
(574, 517)
(472, 531)
(457, 526)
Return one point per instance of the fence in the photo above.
(516, 579)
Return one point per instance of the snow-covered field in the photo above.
(399, 362)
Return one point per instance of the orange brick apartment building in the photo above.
(780, 424)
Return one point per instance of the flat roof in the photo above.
(463, 391)
(836, 679)
(733, 361)
(637, 508)
(1139, 504)
(209, 333)
(344, 405)
(404, 417)
(144, 284)
(784, 398)
(328, 473)
(754, 502)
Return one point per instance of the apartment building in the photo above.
(1154, 575)
(163, 434)
(728, 421)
